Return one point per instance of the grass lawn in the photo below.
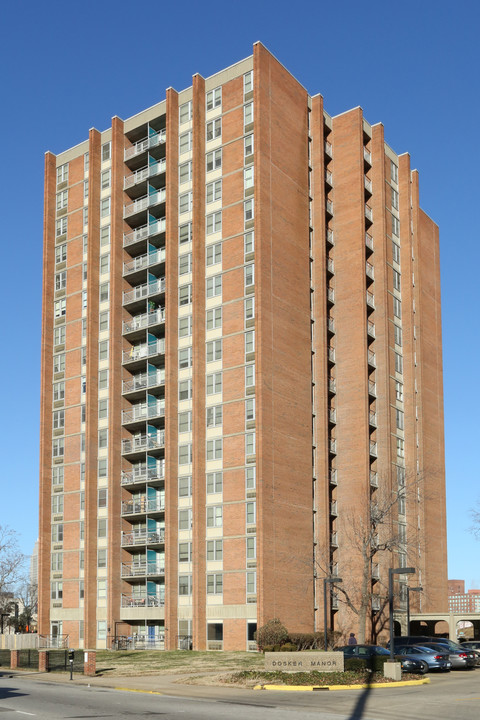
(153, 662)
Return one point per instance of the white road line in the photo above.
(24, 713)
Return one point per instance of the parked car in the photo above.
(461, 659)
(367, 652)
(474, 646)
(435, 659)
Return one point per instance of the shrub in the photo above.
(355, 664)
(272, 633)
(288, 647)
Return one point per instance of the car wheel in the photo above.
(424, 668)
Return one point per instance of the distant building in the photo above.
(456, 587)
(461, 601)
(33, 574)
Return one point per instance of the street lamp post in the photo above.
(391, 573)
(327, 580)
(409, 590)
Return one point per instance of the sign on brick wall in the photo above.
(304, 661)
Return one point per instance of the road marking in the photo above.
(147, 692)
(24, 713)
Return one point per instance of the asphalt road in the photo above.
(455, 696)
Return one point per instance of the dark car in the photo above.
(461, 658)
(435, 659)
(473, 646)
(367, 652)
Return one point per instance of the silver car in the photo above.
(461, 659)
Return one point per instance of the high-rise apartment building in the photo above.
(241, 369)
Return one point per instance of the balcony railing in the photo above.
(142, 291)
(329, 207)
(334, 539)
(328, 148)
(371, 329)
(143, 232)
(145, 144)
(144, 173)
(333, 476)
(369, 213)
(144, 442)
(372, 387)
(138, 322)
(367, 156)
(143, 411)
(133, 507)
(138, 352)
(140, 601)
(333, 507)
(331, 354)
(144, 261)
(373, 449)
(332, 386)
(330, 265)
(144, 568)
(143, 381)
(332, 415)
(329, 177)
(331, 294)
(142, 476)
(369, 241)
(330, 238)
(144, 202)
(373, 478)
(331, 324)
(368, 184)
(333, 445)
(373, 419)
(370, 300)
(143, 537)
(371, 359)
(369, 270)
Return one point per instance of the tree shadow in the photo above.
(361, 703)
(7, 693)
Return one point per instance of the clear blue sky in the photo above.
(70, 66)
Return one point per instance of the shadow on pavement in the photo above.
(361, 704)
(7, 693)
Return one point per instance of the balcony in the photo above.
(369, 271)
(373, 449)
(143, 411)
(136, 569)
(371, 359)
(368, 185)
(143, 291)
(331, 324)
(143, 381)
(330, 295)
(143, 203)
(375, 572)
(145, 144)
(143, 443)
(328, 149)
(330, 238)
(144, 173)
(329, 207)
(334, 539)
(333, 508)
(141, 601)
(333, 446)
(371, 329)
(138, 322)
(331, 354)
(332, 415)
(374, 478)
(135, 507)
(370, 300)
(142, 476)
(369, 213)
(369, 241)
(372, 419)
(330, 266)
(333, 476)
(372, 388)
(329, 178)
(144, 261)
(139, 352)
(367, 156)
(143, 232)
(143, 537)
(332, 386)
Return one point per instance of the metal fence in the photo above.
(5, 658)
(58, 661)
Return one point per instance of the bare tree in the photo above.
(475, 515)
(11, 560)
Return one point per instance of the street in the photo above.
(455, 695)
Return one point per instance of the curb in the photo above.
(313, 688)
(147, 692)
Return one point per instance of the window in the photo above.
(214, 416)
(84, 328)
(248, 146)
(248, 114)
(83, 356)
(103, 350)
(250, 341)
(250, 443)
(85, 215)
(85, 189)
(398, 363)
(248, 82)
(83, 414)
(185, 112)
(251, 548)
(214, 222)
(185, 358)
(85, 244)
(62, 173)
(185, 519)
(249, 376)
(215, 550)
(103, 408)
(214, 286)
(59, 363)
(102, 558)
(104, 292)
(102, 527)
(57, 504)
(185, 326)
(251, 513)
(102, 467)
(400, 448)
(394, 198)
(184, 584)
(214, 160)
(185, 233)
(399, 391)
(185, 390)
(84, 299)
(399, 419)
(84, 271)
(214, 482)
(249, 275)
(185, 142)
(249, 409)
(393, 172)
(214, 383)
(61, 253)
(248, 178)
(248, 210)
(214, 191)
(103, 321)
(57, 591)
(185, 172)
(185, 486)
(57, 533)
(214, 254)
(397, 307)
(104, 263)
(400, 476)
(82, 500)
(185, 421)
(60, 308)
(214, 319)
(214, 129)
(58, 419)
(215, 516)
(61, 227)
(396, 280)
(250, 478)
(102, 379)
(105, 207)
(251, 583)
(249, 308)
(105, 179)
(185, 264)
(185, 552)
(398, 335)
(62, 200)
(102, 498)
(214, 584)
(106, 151)
(185, 454)
(214, 350)
(105, 235)
(396, 227)
(83, 384)
(86, 162)
(215, 449)
(185, 294)
(58, 391)
(214, 98)
(57, 562)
